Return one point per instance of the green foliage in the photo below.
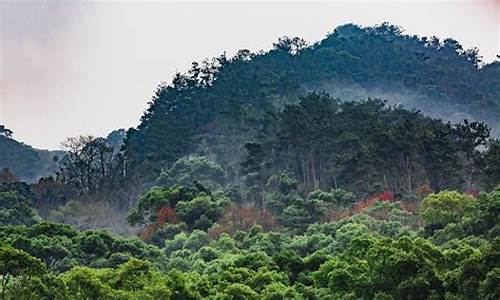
(187, 170)
(134, 279)
(201, 211)
(490, 287)
(253, 116)
(60, 247)
(479, 222)
(238, 291)
(166, 232)
(281, 190)
(326, 143)
(196, 206)
(15, 209)
(337, 197)
(326, 192)
(441, 209)
(16, 269)
(489, 210)
(153, 200)
(356, 257)
(376, 253)
(492, 165)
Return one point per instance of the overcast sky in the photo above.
(91, 67)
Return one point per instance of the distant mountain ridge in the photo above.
(30, 164)
(26, 162)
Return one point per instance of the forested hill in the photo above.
(219, 105)
(258, 177)
(26, 162)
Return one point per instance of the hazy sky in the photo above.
(69, 68)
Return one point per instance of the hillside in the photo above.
(275, 175)
(26, 162)
(220, 105)
(31, 164)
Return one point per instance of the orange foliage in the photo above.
(242, 217)
(166, 214)
(359, 206)
(362, 204)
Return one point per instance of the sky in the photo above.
(80, 67)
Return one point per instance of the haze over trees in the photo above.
(306, 172)
(222, 104)
(24, 161)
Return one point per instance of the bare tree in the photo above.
(88, 163)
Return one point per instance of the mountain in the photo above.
(30, 164)
(221, 104)
(275, 176)
(26, 162)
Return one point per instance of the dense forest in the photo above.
(364, 166)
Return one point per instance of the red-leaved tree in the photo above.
(242, 217)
